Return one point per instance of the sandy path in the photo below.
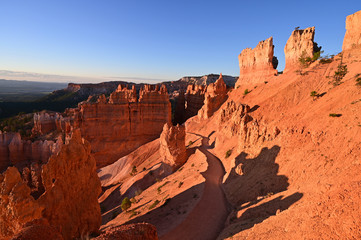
(208, 217)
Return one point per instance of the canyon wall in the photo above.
(117, 125)
(299, 44)
(352, 41)
(68, 200)
(194, 100)
(258, 63)
(215, 96)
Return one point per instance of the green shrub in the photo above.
(180, 184)
(246, 91)
(228, 153)
(335, 114)
(306, 61)
(339, 74)
(159, 189)
(190, 143)
(134, 171)
(314, 94)
(154, 204)
(326, 59)
(358, 81)
(126, 204)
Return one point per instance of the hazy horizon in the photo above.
(136, 41)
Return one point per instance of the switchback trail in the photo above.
(208, 217)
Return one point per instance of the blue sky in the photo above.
(162, 40)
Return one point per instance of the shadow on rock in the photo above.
(170, 212)
(258, 214)
(255, 177)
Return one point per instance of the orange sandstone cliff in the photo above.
(117, 125)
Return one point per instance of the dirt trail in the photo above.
(208, 217)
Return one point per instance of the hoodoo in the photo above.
(300, 44)
(215, 96)
(257, 64)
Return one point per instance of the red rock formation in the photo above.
(68, 201)
(138, 231)
(20, 153)
(194, 100)
(258, 63)
(72, 173)
(172, 145)
(231, 117)
(300, 44)
(117, 125)
(44, 122)
(17, 206)
(352, 42)
(215, 96)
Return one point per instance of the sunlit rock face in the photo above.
(172, 145)
(62, 192)
(352, 41)
(215, 96)
(258, 63)
(300, 44)
(117, 125)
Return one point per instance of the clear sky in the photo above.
(153, 40)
